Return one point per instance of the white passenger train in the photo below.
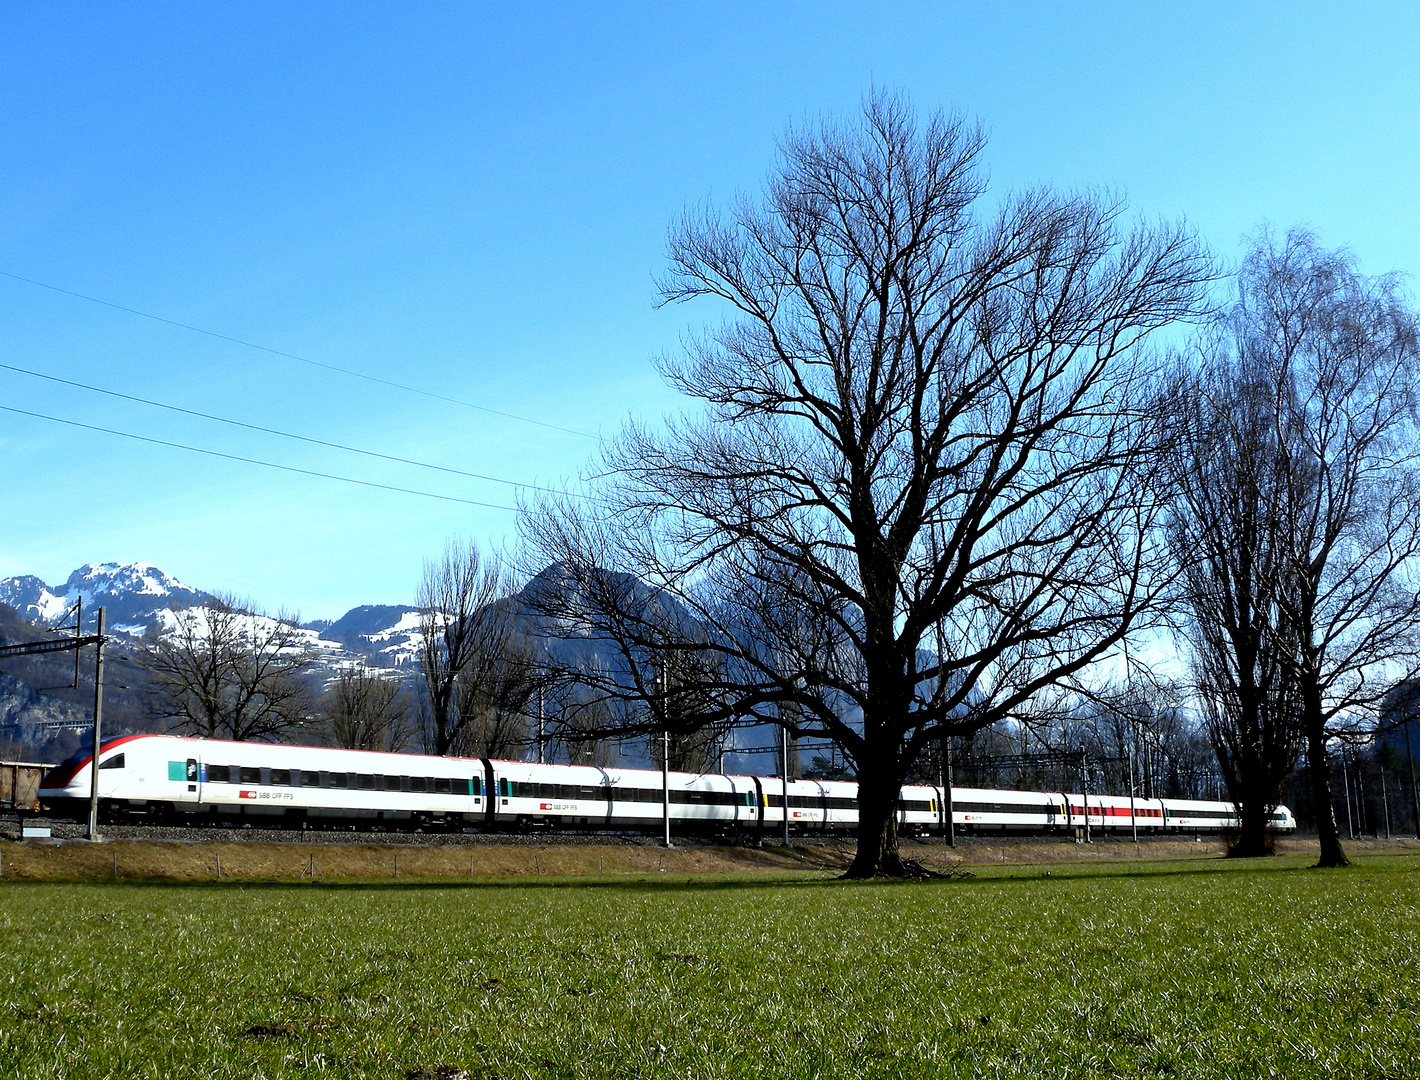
(164, 778)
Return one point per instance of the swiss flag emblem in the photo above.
(246, 794)
(544, 806)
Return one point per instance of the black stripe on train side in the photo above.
(610, 795)
(490, 793)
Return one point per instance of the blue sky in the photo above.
(473, 199)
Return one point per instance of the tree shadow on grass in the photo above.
(1017, 876)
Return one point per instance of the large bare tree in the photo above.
(925, 420)
(1339, 351)
(226, 672)
(1230, 536)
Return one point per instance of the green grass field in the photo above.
(1187, 969)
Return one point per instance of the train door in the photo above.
(184, 772)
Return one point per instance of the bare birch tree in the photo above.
(1339, 351)
(454, 593)
(923, 414)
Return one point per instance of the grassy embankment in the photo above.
(1191, 969)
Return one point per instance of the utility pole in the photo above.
(947, 793)
(784, 776)
(949, 824)
(539, 726)
(662, 684)
(1133, 819)
(1346, 788)
(666, 783)
(1085, 793)
(1414, 794)
(1357, 770)
(78, 633)
(1385, 804)
(93, 829)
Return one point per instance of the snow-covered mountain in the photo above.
(133, 593)
(140, 597)
(387, 634)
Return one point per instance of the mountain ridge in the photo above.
(140, 596)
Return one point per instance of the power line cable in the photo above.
(255, 461)
(275, 431)
(302, 359)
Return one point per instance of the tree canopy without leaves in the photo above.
(367, 709)
(478, 666)
(1337, 353)
(224, 672)
(926, 418)
(1230, 537)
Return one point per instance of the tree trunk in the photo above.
(879, 789)
(1253, 837)
(1327, 834)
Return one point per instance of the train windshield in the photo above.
(62, 774)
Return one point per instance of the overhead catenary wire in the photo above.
(300, 359)
(256, 461)
(276, 431)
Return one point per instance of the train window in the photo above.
(365, 782)
(281, 776)
(310, 779)
(251, 776)
(339, 780)
(116, 762)
(417, 783)
(395, 783)
(441, 785)
(217, 774)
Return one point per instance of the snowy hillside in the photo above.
(388, 634)
(197, 620)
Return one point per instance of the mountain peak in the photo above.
(133, 593)
(139, 578)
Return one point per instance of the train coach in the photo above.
(165, 778)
